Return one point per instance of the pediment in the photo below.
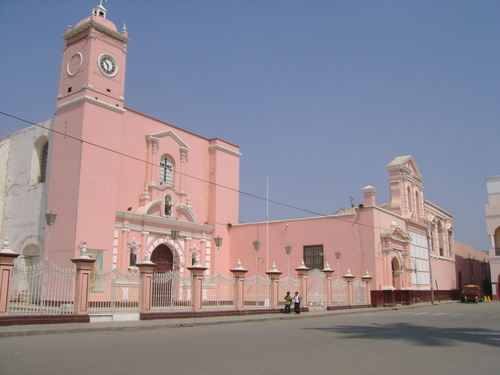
(169, 133)
(396, 234)
(406, 165)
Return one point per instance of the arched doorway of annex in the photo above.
(166, 253)
(460, 285)
(29, 248)
(396, 273)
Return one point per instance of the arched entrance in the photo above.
(163, 258)
(396, 273)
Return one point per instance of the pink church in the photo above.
(127, 188)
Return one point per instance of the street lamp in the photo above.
(51, 219)
(288, 250)
(218, 243)
(337, 255)
(256, 246)
(175, 234)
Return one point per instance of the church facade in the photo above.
(127, 187)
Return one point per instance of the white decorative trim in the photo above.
(188, 212)
(98, 26)
(224, 149)
(169, 133)
(86, 98)
(79, 66)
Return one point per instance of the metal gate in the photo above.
(316, 290)
(114, 292)
(257, 292)
(42, 289)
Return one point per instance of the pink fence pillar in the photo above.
(302, 276)
(197, 272)
(349, 278)
(328, 275)
(82, 284)
(239, 286)
(7, 258)
(368, 279)
(274, 275)
(146, 286)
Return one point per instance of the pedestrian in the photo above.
(296, 299)
(288, 302)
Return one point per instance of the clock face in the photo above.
(107, 65)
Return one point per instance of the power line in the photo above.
(184, 174)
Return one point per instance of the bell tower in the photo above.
(93, 67)
(85, 146)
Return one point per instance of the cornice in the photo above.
(92, 23)
(89, 99)
(158, 224)
(224, 149)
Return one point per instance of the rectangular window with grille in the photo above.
(313, 257)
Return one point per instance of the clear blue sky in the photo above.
(319, 95)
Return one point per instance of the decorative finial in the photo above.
(69, 28)
(83, 250)
(6, 247)
(124, 30)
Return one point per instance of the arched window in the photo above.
(39, 160)
(43, 162)
(166, 171)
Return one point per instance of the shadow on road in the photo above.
(419, 335)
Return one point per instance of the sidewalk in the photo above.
(42, 329)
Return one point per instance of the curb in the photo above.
(50, 329)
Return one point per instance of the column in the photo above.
(7, 257)
(349, 278)
(274, 275)
(302, 276)
(239, 286)
(368, 279)
(328, 274)
(197, 272)
(146, 286)
(83, 268)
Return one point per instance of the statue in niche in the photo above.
(133, 256)
(168, 205)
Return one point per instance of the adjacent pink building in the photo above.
(124, 185)
(493, 228)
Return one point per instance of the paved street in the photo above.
(446, 339)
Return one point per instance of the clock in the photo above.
(107, 65)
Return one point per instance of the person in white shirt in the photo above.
(296, 300)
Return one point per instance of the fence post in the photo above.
(82, 284)
(368, 279)
(328, 275)
(7, 257)
(274, 275)
(197, 288)
(145, 286)
(239, 286)
(302, 276)
(349, 278)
